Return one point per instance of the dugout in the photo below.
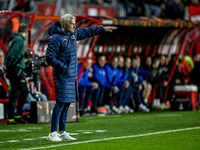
(140, 36)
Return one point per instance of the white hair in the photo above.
(66, 18)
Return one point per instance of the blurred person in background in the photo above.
(86, 87)
(154, 8)
(176, 9)
(99, 76)
(111, 88)
(128, 87)
(139, 82)
(3, 93)
(15, 65)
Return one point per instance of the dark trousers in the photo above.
(59, 115)
(110, 96)
(87, 91)
(97, 97)
(19, 91)
(127, 95)
(159, 91)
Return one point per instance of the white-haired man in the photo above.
(62, 56)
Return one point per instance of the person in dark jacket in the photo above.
(15, 65)
(111, 88)
(61, 54)
(86, 86)
(99, 76)
(127, 88)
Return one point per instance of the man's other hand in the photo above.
(109, 28)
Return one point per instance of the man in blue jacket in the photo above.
(86, 87)
(111, 88)
(99, 76)
(61, 54)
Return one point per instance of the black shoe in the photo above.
(12, 122)
(21, 120)
(84, 113)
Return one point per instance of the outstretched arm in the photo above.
(83, 33)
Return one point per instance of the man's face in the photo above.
(128, 62)
(148, 61)
(134, 63)
(114, 62)
(121, 62)
(162, 60)
(1, 58)
(71, 26)
(88, 64)
(101, 61)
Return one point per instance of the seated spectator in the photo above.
(143, 74)
(134, 7)
(194, 2)
(154, 8)
(147, 63)
(99, 76)
(3, 93)
(111, 88)
(125, 91)
(176, 9)
(155, 80)
(86, 87)
(139, 82)
(177, 78)
(128, 87)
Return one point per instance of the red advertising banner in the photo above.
(194, 13)
(100, 11)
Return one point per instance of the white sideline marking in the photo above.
(168, 115)
(87, 132)
(43, 137)
(28, 139)
(74, 133)
(100, 130)
(13, 141)
(113, 138)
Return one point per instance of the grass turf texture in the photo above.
(115, 126)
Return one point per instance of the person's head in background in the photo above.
(1, 57)
(134, 62)
(194, 2)
(101, 60)
(197, 58)
(162, 60)
(23, 29)
(114, 62)
(156, 63)
(148, 61)
(127, 62)
(88, 64)
(138, 61)
(121, 61)
(177, 1)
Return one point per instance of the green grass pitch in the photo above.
(157, 130)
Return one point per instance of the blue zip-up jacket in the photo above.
(61, 54)
(112, 76)
(84, 79)
(123, 75)
(99, 74)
